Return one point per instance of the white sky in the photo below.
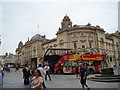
(19, 18)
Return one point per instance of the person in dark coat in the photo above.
(26, 75)
(83, 74)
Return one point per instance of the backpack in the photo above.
(87, 71)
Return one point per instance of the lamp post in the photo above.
(119, 48)
(119, 33)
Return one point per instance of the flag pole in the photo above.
(38, 28)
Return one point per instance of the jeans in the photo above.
(47, 74)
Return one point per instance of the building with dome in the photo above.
(81, 38)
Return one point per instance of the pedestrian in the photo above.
(16, 67)
(3, 67)
(31, 69)
(2, 70)
(83, 74)
(47, 69)
(1, 80)
(26, 75)
(37, 80)
(8, 67)
(77, 71)
(43, 74)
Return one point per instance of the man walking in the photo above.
(26, 75)
(43, 74)
(16, 67)
(83, 74)
(47, 68)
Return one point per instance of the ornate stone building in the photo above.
(81, 38)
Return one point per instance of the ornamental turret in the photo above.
(66, 23)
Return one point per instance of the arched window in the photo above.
(90, 44)
(83, 46)
(55, 45)
(61, 42)
(34, 49)
(75, 45)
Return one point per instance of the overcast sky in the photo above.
(19, 19)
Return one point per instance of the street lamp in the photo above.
(119, 48)
(119, 33)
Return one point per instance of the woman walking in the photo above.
(37, 80)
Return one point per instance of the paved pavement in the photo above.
(14, 80)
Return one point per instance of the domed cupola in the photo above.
(37, 37)
(66, 18)
(66, 23)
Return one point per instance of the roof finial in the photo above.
(38, 28)
(28, 38)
